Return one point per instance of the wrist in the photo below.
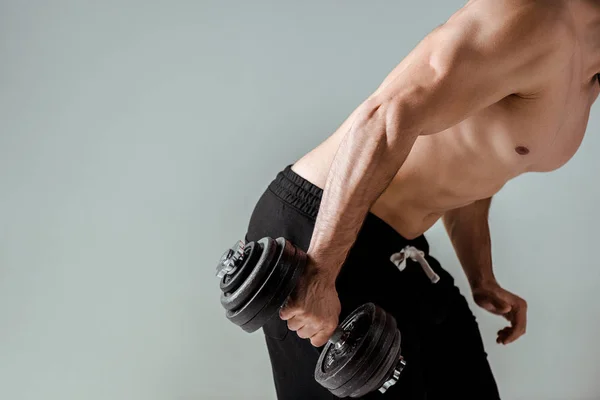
(480, 282)
(325, 266)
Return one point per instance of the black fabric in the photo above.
(441, 341)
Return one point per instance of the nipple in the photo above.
(522, 150)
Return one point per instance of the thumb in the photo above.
(288, 310)
(495, 304)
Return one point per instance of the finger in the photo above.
(307, 331)
(503, 334)
(518, 320)
(322, 335)
(319, 339)
(519, 325)
(288, 312)
(295, 323)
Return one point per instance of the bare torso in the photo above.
(474, 159)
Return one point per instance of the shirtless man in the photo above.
(502, 88)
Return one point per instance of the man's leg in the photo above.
(454, 358)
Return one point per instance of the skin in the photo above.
(504, 87)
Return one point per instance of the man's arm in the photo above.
(469, 232)
(487, 51)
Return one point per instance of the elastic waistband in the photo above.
(297, 192)
(305, 197)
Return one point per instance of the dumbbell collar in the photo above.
(395, 376)
(231, 259)
(338, 338)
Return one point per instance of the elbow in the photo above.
(403, 117)
(391, 120)
(393, 117)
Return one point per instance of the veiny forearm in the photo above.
(369, 156)
(469, 233)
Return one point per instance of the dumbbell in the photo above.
(362, 355)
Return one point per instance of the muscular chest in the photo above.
(540, 133)
(475, 158)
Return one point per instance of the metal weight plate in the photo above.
(278, 276)
(260, 296)
(290, 275)
(355, 387)
(239, 297)
(383, 371)
(378, 371)
(363, 327)
(251, 255)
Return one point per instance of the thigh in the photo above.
(455, 362)
(293, 361)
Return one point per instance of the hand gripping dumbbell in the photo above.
(362, 355)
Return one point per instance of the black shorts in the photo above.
(441, 342)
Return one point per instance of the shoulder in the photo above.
(517, 36)
(502, 23)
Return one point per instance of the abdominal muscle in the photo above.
(444, 171)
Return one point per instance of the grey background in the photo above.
(136, 136)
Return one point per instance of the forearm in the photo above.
(370, 154)
(469, 233)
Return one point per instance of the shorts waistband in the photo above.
(297, 192)
(305, 197)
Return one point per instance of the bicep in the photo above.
(465, 65)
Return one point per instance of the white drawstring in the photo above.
(399, 259)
